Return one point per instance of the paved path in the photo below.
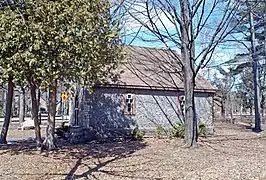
(15, 122)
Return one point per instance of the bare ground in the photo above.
(234, 152)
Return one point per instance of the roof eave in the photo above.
(197, 90)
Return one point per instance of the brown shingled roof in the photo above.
(152, 68)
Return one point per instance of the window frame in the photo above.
(125, 104)
(182, 98)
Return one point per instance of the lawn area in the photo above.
(234, 152)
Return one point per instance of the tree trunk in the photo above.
(241, 109)
(38, 104)
(187, 56)
(262, 104)
(34, 110)
(251, 110)
(22, 102)
(3, 94)
(8, 113)
(231, 108)
(49, 142)
(190, 111)
(13, 109)
(264, 69)
(255, 73)
(223, 109)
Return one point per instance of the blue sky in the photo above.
(223, 53)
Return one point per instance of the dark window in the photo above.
(182, 104)
(129, 104)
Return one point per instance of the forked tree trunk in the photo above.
(187, 56)
(8, 113)
(190, 111)
(34, 111)
(49, 142)
(22, 102)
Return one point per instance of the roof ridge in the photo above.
(154, 48)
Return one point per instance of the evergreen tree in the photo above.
(58, 41)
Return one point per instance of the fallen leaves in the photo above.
(232, 153)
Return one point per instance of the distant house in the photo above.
(148, 94)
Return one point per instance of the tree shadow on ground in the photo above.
(97, 151)
(18, 147)
(100, 153)
(240, 136)
(243, 128)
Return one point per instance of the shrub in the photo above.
(159, 131)
(178, 130)
(202, 129)
(138, 134)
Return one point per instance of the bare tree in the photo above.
(180, 25)
(224, 87)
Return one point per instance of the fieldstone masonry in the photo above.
(101, 113)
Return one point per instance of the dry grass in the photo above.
(234, 152)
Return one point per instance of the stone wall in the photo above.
(102, 111)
